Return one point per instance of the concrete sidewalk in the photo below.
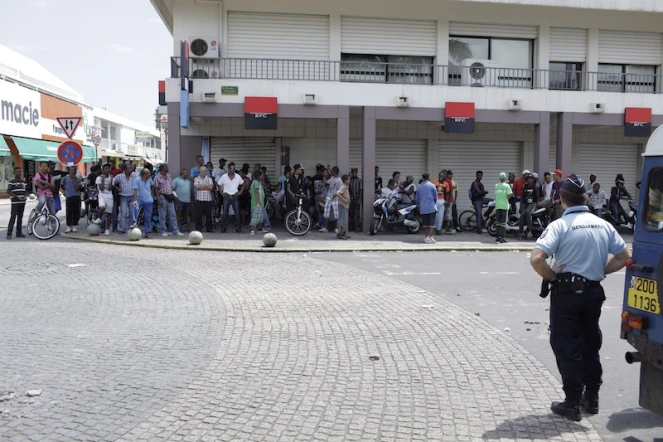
(316, 242)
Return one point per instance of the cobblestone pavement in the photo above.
(234, 347)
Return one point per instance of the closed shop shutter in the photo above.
(491, 30)
(356, 155)
(464, 159)
(245, 150)
(278, 36)
(552, 164)
(388, 37)
(567, 44)
(405, 156)
(624, 47)
(606, 161)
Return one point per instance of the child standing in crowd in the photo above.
(343, 207)
(257, 203)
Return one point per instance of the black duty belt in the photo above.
(573, 283)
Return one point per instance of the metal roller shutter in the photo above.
(606, 161)
(464, 159)
(278, 36)
(405, 156)
(356, 155)
(625, 47)
(491, 30)
(388, 37)
(568, 44)
(552, 164)
(245, 150)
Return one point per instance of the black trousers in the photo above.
(575, 338)
(73, 210)
(355, 215)
(500, 221)
(16, 217)
(204, 208)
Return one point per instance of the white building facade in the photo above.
(417, 86)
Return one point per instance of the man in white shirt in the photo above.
(231, 185)
(547, 186)
(218, 172)
(104, 183)
(331, 204)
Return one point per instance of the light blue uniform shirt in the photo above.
(581, 242)
(144, 190)
(182, 188)
(427, 198)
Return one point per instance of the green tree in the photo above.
(458, 51)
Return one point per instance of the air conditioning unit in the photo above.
(200, 47)
(515, 105)
(209, 97)
(597, 108)
(309, 99)
(402, 101)
(477, 73)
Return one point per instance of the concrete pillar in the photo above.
(174, 136)
(541, 78)
(335, 46)
(542, 144)
(565, 142)
(442, 55)
(432, 159)
(343, 139)
(592, 64)
(368, 156)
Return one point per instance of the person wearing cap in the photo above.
(617, 194)
(580, 244)
(518, 186)
(503, 194)
(530, 196)
(555, 194)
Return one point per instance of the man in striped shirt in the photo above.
(204, 185)
(16, 190)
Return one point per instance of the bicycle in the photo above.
(467, 220)
(298, 222)
(43, 224)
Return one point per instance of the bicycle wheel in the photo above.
(31, 218)
(45, 226)
(468, 220)
(298, 226)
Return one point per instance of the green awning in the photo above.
(42, 150)
(4, 149)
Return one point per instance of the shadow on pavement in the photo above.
(633, 419)
(535, 427)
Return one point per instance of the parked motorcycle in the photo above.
(630, 221)
(540, 221)
(390, 213)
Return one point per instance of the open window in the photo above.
(652, 219)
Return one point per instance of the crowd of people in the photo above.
(206, 196)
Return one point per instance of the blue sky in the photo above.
(112, 52)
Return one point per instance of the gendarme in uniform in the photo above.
(580, 243)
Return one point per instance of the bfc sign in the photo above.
(260, 113)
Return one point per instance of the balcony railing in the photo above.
(399, 73)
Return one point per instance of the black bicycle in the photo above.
(468, 219)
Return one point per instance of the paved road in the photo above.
(136, 344)
(502, 289)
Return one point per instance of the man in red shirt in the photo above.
(449, 202)
(518, 190)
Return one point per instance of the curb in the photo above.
(303, 249)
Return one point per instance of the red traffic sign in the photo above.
(69, 125)
(70, 153)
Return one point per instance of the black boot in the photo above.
(19, 234)
(9, 235)
(569, 411)
(590, 402)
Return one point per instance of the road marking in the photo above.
(499, 273)
(388, 273)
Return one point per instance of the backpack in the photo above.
(470, 193)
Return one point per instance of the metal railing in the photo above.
(399, 73)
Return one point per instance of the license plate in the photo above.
(643, 295)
